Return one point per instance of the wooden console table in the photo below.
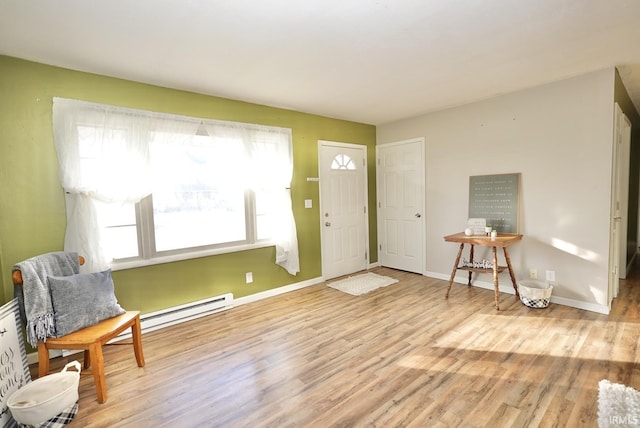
(502, 241)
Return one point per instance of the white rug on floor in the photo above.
(618, 405)
(361, 284)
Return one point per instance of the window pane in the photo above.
(198, 198)
(342, 161)
(119, 230)
(193, 218)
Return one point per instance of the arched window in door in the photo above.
(343, 162)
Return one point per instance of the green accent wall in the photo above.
(32, 208)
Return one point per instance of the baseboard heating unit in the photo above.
(163, 318)
(177, 314)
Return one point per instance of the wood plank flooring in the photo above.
(401, 356)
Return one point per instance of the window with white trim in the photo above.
(150, 187)
(199, 202)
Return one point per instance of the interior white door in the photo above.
(343, 208)
(624, 137)
(619, 202)
(401, 192)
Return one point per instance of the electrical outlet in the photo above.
(533, 273)
(249, 277)
(551, 275)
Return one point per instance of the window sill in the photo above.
(131, 264)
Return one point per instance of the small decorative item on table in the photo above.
(477, 225)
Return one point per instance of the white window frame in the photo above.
(267, 167)
(146, 240)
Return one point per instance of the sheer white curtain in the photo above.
(104, 157)
(269, 170)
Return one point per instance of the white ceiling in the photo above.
(371, 61)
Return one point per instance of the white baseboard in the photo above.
(277, 291)
(32, 358)
(578, 304)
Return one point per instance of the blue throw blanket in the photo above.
(34, 296)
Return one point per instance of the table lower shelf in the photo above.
(482, 270)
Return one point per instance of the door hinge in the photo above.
(365, 255)
(365, 210)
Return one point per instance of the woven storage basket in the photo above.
(535, 294)
(50, 401)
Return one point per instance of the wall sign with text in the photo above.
(14, 368)
(495, 198)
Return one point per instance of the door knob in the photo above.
(327, 224)
(418, 215)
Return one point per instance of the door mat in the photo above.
(362, 284)
(618, 405)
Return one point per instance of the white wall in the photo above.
(559, 137)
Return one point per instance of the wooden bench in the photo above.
(91, 340)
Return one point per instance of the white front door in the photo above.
(401, 192)
(343, 208)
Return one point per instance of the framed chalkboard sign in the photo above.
(495, 198)
(14, 367)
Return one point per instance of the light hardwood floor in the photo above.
(401, 356)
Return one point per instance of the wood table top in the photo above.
(502, 240)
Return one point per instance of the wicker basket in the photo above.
(535, 294)
(50, 401)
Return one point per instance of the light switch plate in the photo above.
(308, 203)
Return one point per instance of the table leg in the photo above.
(511, 274)
(453, 273)
(495, 278)
(471, 260)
